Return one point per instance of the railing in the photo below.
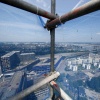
(89, 7)
(31, 89)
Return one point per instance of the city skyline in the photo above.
(20, 26)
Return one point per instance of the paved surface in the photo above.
(61, 67)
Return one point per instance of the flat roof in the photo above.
(13, 86)
(90, 93)
(43, 62)
(9, 54)
(27, 53)
(89, 74)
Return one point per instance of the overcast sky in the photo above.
(20, 26)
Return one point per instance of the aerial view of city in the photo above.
(47, 57)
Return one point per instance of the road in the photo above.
(61, 67)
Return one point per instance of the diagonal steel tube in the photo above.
(29, 7)
(31, 89)
(89, 7)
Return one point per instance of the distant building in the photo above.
(69, 63)
(91, 55)
(1, 72)
(84, 65)
(79, 61)
(84, 61)
(81, 91)
(89, 60)
(25, 57)
(10, 60)
(89, 74)
(74, 68)
(88, 66)
(92, 95)
(96, 60)
(70, 67)
(44, 67)
(99, 66)
(43, 93)
(95, 64)
(15, 86)
(29, 65)
(73, 62)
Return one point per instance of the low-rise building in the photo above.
(95, 64)
(92, 95)
(69, 63)
(89, 60)
(99, 66)
(84, 61)
(1, 72)
(10, 60)
(43, 93)
(83, 65)
(70, 67)
(16, 85)
(79, 61)
(25, 57)
(88, 66)
(73, 67)
(89, 74)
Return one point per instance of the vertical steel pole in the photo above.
(52, 33)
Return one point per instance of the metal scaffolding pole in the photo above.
(29, 7)
(60, 91)
(31, 89)
(89, 7)
(52, 34)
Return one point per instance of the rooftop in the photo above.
(27, 53)
(12, 88)
(93, 94)
(10, 54)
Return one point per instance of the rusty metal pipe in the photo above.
(29, 7)
(89, 7)
(60, 91)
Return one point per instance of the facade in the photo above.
(83, 65)
(70, 67)
(1, 72)
(75, 68)
(92, 95)
(69, 63)
(10, 60)
(25, 57)
(84, 60)
(42, 93)
(99, 66)
(88, 66)
(95, 64)
(89, 60)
